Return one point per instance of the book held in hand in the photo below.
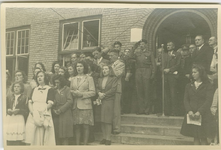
(193, 120)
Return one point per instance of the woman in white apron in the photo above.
(39, 126)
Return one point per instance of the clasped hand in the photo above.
(76, 93)
(195, 116)
(101, 95)
(11, 112)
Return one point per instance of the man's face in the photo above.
(113, 57)
(19, 77)
(97, 55)
(192, 48)
(212, 41)
(73, 57)
(126, 52)
(142, 45)
(117, 47)
(170, 46)
(184, 53)
(199, 41)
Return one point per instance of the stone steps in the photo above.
(138, 139)
(151, 120)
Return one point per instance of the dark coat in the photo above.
(110, 88)
(199, 100)
(203, 57)
(21, 104)
(172, 62)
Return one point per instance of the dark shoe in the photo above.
(108, 142)
(103, 141)
(116, 132)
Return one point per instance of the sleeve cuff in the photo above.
(50, 102)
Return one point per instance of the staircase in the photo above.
(149, 130)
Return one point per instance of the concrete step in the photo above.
(150, 130)
(152, 120)
(138, 139)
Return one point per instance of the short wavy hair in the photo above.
(23, 74)
(85, 67)
(21, 85)
(46, 78)
(54, 63)
(202, 73)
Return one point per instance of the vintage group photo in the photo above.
(94, 75)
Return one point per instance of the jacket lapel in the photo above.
(108, 81)
(82, 81)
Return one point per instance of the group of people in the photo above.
(94, 90)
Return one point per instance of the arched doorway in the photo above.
(179, 25)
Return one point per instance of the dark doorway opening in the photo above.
(182, 27)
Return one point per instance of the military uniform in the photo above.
(145, 70)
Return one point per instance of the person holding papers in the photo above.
(199, 122)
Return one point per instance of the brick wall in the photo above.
(44, 22)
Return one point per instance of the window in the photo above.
(10, 42)
(80, 34)
(17, 49)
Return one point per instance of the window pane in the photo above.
(27, 41)
(19, 51)
(7, 51)
(91, 33)
(23, 42)
(22, 50)
(19, 42)
(12, 43)
(12, 35)
(11, 52)
(27, 33)
(19, 34)
(26, 49)
(70, 36)
(23, 34)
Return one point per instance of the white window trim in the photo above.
(13, 44)
(82, 29)
(62, 44)
(25, 41)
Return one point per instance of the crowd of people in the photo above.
(69, 103)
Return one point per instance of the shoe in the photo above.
(103, 141)
(108, 142)
(116, 132)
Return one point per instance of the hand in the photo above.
(187, 75)
(158, 63)
(127, 79)
(166, 70)
(191, 114)
(197, 115)
(79, 94)
(15, 111)
(56, 112)
(101, 95)
(9, 112)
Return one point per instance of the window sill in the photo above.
(78, 50)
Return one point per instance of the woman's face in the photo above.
(39, 66)
(36, 71)
(56, 68)
(19, 77)
(57, 84)
(80, 68)
(61, 72)
(40, 78)
(17, 89)
(195, 74)
(106, 71)
(70, 70)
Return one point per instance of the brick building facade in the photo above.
(37, 34)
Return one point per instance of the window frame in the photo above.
(14, 43)
(80, 32)
(25, 41)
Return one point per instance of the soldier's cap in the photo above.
(117, 43)
(143, 40)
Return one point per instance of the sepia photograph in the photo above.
(83, 74)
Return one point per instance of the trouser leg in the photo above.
(140, 89)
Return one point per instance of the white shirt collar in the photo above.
(200, 46)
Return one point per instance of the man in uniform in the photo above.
(145, 71)
(118, 69)
(171, 64)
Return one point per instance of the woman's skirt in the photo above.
(15, 128)
(83, 116)
(107, 111)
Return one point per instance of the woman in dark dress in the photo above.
(62, 114)
(106, 90)
(54, 71)
(197, 101)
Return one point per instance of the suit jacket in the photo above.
(185, 66)
(171, 62)
(87, 89)
(203, 57)
(119, 71)
(63, 100)
(21, 104)
(198, 99)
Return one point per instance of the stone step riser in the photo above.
(150, 130)
(127, 140)
(151, 121)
